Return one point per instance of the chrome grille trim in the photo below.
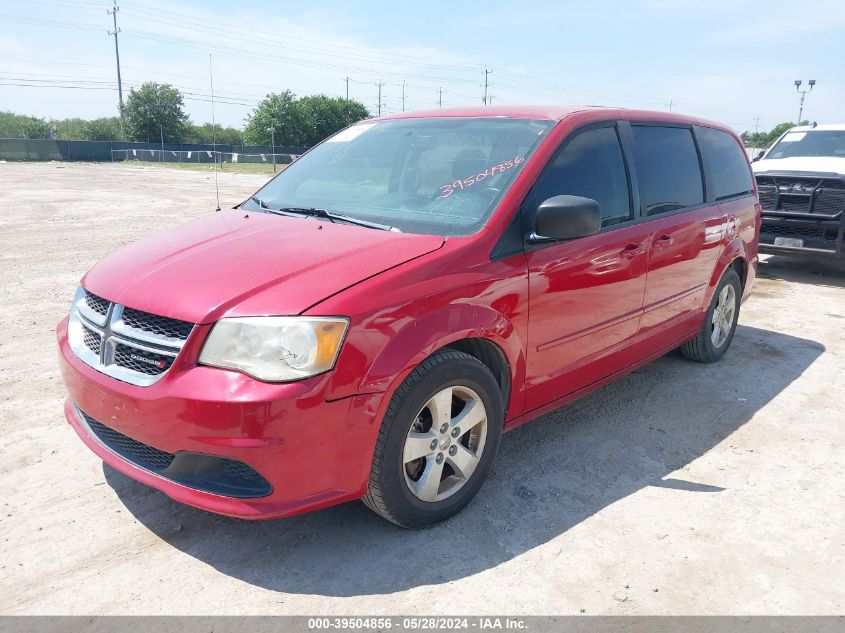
(86, 323)
(120, 327)
(85, 304)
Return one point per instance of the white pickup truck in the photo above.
(801, 181)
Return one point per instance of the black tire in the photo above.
(701, 348)
(388, 494)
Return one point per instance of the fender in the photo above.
(423, 336)
(734, 249)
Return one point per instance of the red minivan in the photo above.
(374, 317)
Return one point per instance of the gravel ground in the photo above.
(681, 489)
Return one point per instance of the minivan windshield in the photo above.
(437, 176)
(811, 143)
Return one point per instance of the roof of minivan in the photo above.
(552, 112)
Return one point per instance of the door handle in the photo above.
(663, 241)
(632, 250)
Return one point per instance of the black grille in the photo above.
(158, 325)
(97, 304)
(209, 473)
(240, 471)
(131, 450)
(140, 360)
(829, 201)
(801, 195)
(91, 340)
(803, 232)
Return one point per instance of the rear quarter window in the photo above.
(731, 175)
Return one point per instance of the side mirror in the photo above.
(566, 218)
(759, 156)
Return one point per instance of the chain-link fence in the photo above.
(20, 149)
(201, 157)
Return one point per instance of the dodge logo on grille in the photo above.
(148, 361)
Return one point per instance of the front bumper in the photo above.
(819, 238)
(313, 453)
(803, 213)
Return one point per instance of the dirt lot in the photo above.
(682, 489)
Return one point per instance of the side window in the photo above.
(667, 167)
(728, 164)
(589, 165)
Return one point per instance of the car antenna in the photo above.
(213, 132)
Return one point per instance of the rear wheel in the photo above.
(719, 326)
(438, 438)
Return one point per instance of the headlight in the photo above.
(275, 349)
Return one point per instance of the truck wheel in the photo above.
(719, 326)
(437, 441)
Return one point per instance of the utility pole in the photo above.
(213, 122)
(803, 94)
(756, 124)
(213, 131)
(486, 84)
(273, 146)
(403, 95)
(347, 88)
(671, 104)
(161, 130)
(379, 84)
(440, 98)
(113, 13)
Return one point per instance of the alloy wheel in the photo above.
(723, 316)
(445, 443)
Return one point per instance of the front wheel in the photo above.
(719, 326)
(437, 441)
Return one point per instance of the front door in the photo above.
(585, 295)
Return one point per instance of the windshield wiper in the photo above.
(331, 216)
(259, 202)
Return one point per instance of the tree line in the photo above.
(764, 140)
(157, 111)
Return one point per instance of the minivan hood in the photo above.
(238, 263)
(816, 164)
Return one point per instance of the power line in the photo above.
(302, 43)
(264, 56)
(109, 85)
(124, 67)
(540, 88)
(79, 26)
(519, 83)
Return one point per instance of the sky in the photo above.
(733, 61)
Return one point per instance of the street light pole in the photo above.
(803, 94)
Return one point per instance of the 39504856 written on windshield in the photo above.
(448, 189)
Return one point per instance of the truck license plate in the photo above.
(795, 242)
